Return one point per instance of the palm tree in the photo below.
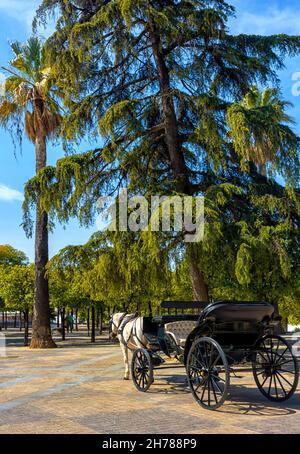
(28, 104)
(260, 129)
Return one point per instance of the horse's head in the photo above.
(115, 322)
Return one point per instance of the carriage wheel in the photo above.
(142, 369)
(275, 369)
(208, 373)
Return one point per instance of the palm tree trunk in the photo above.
(41, 330)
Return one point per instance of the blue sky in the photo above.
(252, 16)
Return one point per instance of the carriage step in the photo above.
(157, 360)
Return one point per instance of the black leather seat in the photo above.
(234, 311)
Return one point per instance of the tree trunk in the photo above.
(20, 318)
(285, 324)
(26, 326)
(200, 289)
(262, 168)
(5, 323)
(88, 321)
(63, 328)
(101, 320)
(15, 320)
(171, 126)
(97, 318)
(76, 319)
(93, 332)
(178, 165)
(57, 321)
(41, 329)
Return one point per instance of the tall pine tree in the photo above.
(156, 78)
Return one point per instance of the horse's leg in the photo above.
(125, 358)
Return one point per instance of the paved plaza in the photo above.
(78, 388)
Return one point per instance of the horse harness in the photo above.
(123, 322)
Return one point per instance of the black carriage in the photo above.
(215, 340)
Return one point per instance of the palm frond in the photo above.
(7, 110)
(27, 94)
(257, 125)
(29, 126)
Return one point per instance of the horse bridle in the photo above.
(112, 323)
(119, 331)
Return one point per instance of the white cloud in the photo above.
(270, 21)
(8, 195)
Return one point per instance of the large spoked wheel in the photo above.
(275, 369)
(142, 370)
(208, 373)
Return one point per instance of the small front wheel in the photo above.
(208, 373)
(142, 370)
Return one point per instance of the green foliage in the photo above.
(256, 257)
(11, 256)
(104, 60)
(17, 286)
(119, 64)
(112, 268)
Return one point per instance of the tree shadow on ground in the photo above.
(85, 343)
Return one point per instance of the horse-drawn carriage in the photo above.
(222, 338)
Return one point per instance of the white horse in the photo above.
(128, 328)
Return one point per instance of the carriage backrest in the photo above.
(180, 329)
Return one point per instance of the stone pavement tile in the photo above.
(232, 410)
(224, 429)
(80, 390)
(80, 401)
(24, 414)
(26, 388)
(254, 421)
(155, 420)
(289, 425)
(57, 426)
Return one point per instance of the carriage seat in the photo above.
(180, 330)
